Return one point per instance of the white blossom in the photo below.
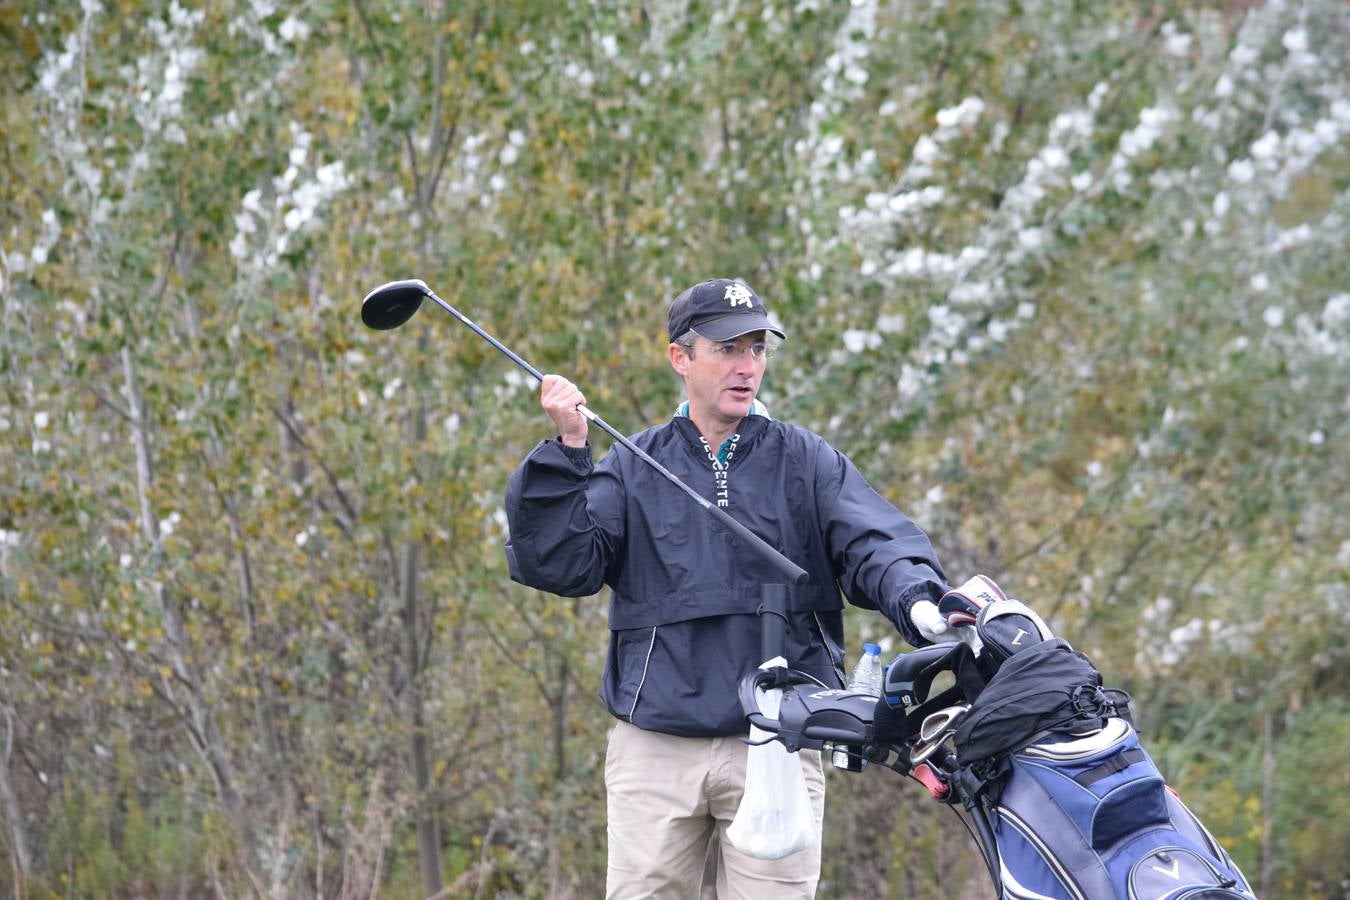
(857, 341)
(1337, 311)
(967, 112)
(890, 324)
(1266, 147)
(293, 30)
(1241, 171)
(1295, 40)
(1175, 42)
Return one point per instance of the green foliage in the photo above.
(1066, 280)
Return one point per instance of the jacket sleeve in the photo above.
(881, 558)
(566, 520)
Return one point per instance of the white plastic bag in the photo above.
(774, 818)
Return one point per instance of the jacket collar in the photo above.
(749, 429)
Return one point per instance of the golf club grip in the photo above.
(793, 571)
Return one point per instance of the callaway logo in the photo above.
(1173, 873)
(738, 294)
(1018, 639)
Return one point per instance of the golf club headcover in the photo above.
(962, 605)
(910, 675)
(1007, 627)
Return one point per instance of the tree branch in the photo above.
(347, 507)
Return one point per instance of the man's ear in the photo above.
(679, 358)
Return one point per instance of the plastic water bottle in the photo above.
(866, 679)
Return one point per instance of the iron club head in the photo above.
(935, 729)
(392, 304)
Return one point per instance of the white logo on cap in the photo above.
(738, 294)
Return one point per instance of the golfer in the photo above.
(683, 628)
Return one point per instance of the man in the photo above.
(683, 627)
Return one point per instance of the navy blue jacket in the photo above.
(683, 628)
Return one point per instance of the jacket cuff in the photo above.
(578, 456)
(928, 590)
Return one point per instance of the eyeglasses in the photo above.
(726, 350)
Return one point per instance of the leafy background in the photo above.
(1067, 280)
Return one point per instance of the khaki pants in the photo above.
(668, 795)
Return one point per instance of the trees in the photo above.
(1063, 281)
(1103, 320)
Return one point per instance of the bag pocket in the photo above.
(1174, 873)
(1105, 782)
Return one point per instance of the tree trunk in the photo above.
(18, 838)
(428, 829)
(195, 712)
(559, 724)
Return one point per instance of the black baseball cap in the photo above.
(721, 309)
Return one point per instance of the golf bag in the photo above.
(1073, 803)
(1044, 760)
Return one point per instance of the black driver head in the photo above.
(392, 304)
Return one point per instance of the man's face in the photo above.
(721, 377)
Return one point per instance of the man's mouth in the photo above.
(741, 392)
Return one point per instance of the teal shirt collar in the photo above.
(756, 409)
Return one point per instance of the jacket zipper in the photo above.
(643, 680)
(836, 663)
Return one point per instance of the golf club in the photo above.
(935, 729)
(390, 305)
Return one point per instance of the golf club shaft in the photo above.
(796, 574)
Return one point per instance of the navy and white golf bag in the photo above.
(1065, 802)
(1090, 817)
(1073, 805)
